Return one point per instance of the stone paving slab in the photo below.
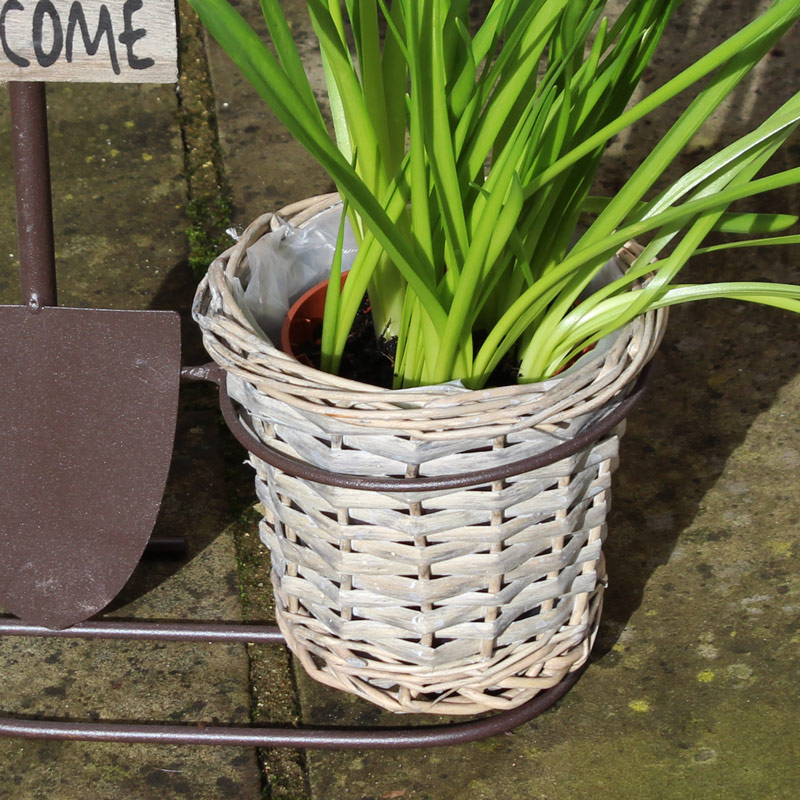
(119, 199)
(264, 166)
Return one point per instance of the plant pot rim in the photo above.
(297, 322)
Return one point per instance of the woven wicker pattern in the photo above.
(450, 601)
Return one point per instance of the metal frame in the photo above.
(38, 289)
(311, 738)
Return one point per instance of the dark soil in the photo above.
(365, 358)
(506, 372)
(371, 360)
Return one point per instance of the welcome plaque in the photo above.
(116, 41)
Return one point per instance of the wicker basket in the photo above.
(449, 600)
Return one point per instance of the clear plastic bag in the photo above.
(287, 262)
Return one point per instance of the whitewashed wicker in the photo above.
(450, 601)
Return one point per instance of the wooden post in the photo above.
(37, 267)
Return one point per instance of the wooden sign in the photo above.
(116, 41)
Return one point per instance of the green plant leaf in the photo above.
(466, 161)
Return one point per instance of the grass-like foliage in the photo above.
(466, 158)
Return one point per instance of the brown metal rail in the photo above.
(37, 264)
(311, 738)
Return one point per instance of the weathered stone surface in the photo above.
(266, 169)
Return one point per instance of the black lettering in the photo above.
(46, 7)
(78, 18)
(129, 36)
(14, 58)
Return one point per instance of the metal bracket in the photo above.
(404, 737)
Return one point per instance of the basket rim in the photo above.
(422, 412)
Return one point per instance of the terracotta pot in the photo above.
(303, 323)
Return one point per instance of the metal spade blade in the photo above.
(88, 404)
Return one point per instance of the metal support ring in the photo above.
(309, 472)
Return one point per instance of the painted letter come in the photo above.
(118, 41)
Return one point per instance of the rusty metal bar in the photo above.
(34, 202)
(177, 631)
(309, 472)
(320, 739)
